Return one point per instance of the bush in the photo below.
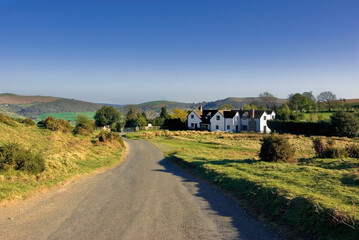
(303, 128)
(84, 125)
(12, 155)
(7, 120)
(26, 121)
(276, 148)
(327, 149)
(110, 137)
(353, 151)
(54, 124)
(344, 124)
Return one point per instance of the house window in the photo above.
(192, 116)
(192, 125)
(228, 127)
(265, 117)
(236, 118)
(217, 127)
(218, 117)
(273, 117)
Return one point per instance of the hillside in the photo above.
(65, 154)
(9, 98)
(33, 106)
(235, 102)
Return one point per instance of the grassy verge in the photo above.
(316, 198)
(66, 156)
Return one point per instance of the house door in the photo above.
(236, 128)
(195, 126)
(265, 129)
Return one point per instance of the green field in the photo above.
(316, 198)
(70, 116)
(320, 116)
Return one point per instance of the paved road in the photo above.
(145, 197)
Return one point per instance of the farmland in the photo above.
(318, 197)
(70, 116)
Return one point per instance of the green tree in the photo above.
(164, 113)
(297, 101)
(107, 115)
(310, 100)
(344, 124)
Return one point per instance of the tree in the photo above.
(267, 100)
(297, 101)
(141, 121)
(310, 100)
(107, 116)
(226, 107)
(344, 124)
(327, 98)
(164, 113)
(180, 114)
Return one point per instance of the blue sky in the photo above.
(135, 51)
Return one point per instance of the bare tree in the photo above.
(328, 98)
(267, 100)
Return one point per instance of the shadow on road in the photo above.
(246, 225)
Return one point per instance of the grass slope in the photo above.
(66, 156)
(317, 198)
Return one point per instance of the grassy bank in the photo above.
(65, 154)
(316, 198)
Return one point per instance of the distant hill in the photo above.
(235, 102)
(33, 106)
(9, 98)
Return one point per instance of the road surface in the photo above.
(145, 197)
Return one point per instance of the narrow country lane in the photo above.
(145, 197)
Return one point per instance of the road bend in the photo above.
(145, 197)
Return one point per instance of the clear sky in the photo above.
(135, 51)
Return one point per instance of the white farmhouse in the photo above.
(230, 120)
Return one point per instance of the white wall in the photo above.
(219, 123)
(195, 120)
(232, 122)
(264, 122)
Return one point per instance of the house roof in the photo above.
(206, 115)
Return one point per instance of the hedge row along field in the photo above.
(32, 157)
(317, 198)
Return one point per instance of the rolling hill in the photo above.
(33, 106)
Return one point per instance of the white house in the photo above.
(230, 120)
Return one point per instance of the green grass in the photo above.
(317, 198)
(66, 156)
(317, 116)
(70, 116)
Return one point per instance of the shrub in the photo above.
(276, 148)
(12, 155)
(327, 149)
(105, 136)
(26, 121)
(353, 151)
(305, 128)
(54, 124)
(7, 120)
(84, 125)
(344, 124)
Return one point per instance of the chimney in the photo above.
(200, 108)
(252, 112)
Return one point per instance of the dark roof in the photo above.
(230, 114)
(206, 115)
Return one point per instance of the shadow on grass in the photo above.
(246, 226)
